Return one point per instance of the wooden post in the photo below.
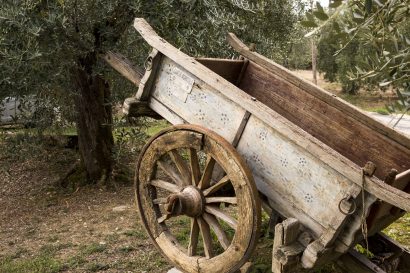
(286, 248)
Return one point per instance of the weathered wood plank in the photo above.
(165, 112)
(286, 249)
(192, 100)
(277, 242)
(124, 67)
(135, 108)
(358, 263)
(318, 92)
(342, 132)
(287, 174)
(151, 66)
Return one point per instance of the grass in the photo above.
(95, 267)
(93, 248)
(44, 262)
(156, 127)
(136, 233)
(400, 230)
(380, 110)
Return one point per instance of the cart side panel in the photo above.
(284, 171)
(298, 183)
(181, 97)
(333, 127)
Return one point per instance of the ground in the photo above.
(48, 228)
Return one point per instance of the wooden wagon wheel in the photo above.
(175, 180)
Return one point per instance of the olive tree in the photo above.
(382, 28)
(55, 48)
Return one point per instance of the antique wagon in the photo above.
(248, 131)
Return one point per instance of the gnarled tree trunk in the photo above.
(94, 122)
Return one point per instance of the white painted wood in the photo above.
(285, 171)
(165, 112)
(194, 101)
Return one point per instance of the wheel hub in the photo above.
(189, 201)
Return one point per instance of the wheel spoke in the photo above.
(217, 186)
(207, 175)
(222, 215)
(165, 185)
(206, 237)
(218, 199)
(160, 201)
(163, 218)
(181, 166)
(219, 232)
(194, 163)
(193, 237)
(170, 171)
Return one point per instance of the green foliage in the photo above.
(298, 52)
(42, 40)
(383, 28)
(44, 262)
(39, 264)
(337, 67)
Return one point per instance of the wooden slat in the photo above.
(316, 91)
(165, 112)
(207, 175)
(219, 199)
(147, 81)
(193, 237)
(277, 242)
(383, 214)
(342, 132)
(165, 185)
(124, 67)
(194, 164)
(217, 228)
(222, 215)
(181, 166)
(206, 238)
(224, 180)
(241, 128)
(169, 170)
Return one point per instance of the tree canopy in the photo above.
(40, 40)
(53, 49)
(381, 28)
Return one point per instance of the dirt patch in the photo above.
(45, 228)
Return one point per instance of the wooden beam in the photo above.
(135, 108)
(124, 66)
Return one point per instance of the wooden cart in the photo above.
(249, 130)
